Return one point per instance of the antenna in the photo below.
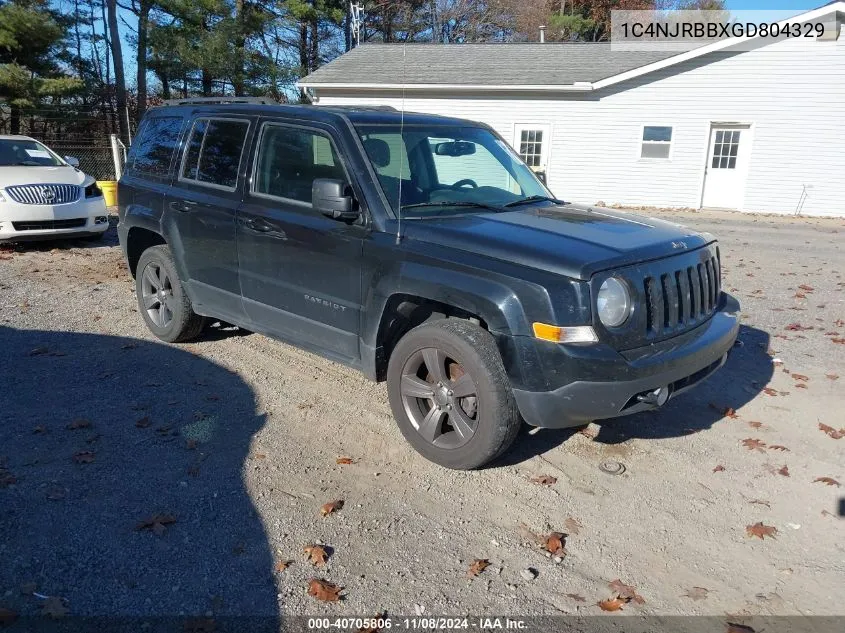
(401, 154)
(355, 13)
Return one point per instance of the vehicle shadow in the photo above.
(121, 484)
(743, 377)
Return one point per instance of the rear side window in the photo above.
(290, 159)
(213, 152)
(152, 150)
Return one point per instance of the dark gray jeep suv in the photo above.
(423, 251)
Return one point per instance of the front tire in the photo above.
(450, 394)
(162, 300)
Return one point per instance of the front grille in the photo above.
(44, 194)
(41, 225)
(681, 298)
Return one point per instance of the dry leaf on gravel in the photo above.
(826, 480)
(543, 480)
(259, 456)
(612, 604)
(573, 526)
(697, 593)
(778, 447)
(54, 607)
(830, 431)
(761, 531)
(797, 327)
(79, 424)
(478, 566)
(345, 460)
(755, 425)
(753, 444)
(332, 506)
(769, 391)
(554, 544)
(317, 553)
(576, 597)
(783, 470)
(628, 592)
(282, 565)
(728, 412)
(157, 523)
(84, 457)
(324, 590)
(832, 376)
(801, 377)
(719, 468)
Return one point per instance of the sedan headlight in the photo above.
(613, 302)
(93, 191)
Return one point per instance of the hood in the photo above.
(572, 240)
(61, 175)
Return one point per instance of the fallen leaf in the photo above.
(528, 535)
(323, 590)
(760, 502)
(478, 566)
(331, 506)
(573, 526)
(259, 456)
(554, 544)
(755, 425)
(826, 480)
(778, 447)
(317, 554)
(760, 531)
(627, 592)
(79, 424)
(806, 288)
(143, 422)
(157, 523)
(345, 460)
(282, 565)
(769, 391)
(7, 616)
(783, 470)
(832, 376)
(697, 593)
(718, 469)
(801, 377)
(612, 604)
(576, 597)
(543, 480)
(727, 412)
(829, 430)
(800, 385)
(54, 607)
(84, 457)
(797, 327)
(753, 444)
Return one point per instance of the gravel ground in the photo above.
(236, 437)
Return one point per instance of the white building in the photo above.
(756, 130)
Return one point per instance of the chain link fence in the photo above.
(95, 159)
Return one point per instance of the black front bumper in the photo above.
(607, 384)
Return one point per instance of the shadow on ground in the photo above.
(747, 371)
(159, 431)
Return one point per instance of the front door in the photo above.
(727, 167)
(202, 207)
(300, 271)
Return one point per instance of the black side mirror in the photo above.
(333, 198)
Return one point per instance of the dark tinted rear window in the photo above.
(152, 150)
(213, 152)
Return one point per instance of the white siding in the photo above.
(791, 93)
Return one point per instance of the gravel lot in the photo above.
(236, 438)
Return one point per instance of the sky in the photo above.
(795, 6)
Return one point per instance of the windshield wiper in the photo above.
(456, 203)
(530, 199)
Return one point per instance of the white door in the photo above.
(727, 166)
(532, 142)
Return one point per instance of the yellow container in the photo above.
(109, 189)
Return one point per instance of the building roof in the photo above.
(548, 64)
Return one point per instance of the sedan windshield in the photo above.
(434, 170)
(27, 153)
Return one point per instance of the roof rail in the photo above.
(209, 100)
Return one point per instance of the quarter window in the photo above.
(290, 159)
(213, 152)
(657, 141)
(153, 149)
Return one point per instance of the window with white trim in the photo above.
(657, 141)
(531, 147)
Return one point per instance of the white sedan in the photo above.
(45, 196)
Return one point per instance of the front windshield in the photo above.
(25, 152)
(446, 170)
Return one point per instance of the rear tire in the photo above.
(162, 301)
(450, 394)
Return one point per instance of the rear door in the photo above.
(201, 208)
(300, 270)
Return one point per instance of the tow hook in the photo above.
(656, 398)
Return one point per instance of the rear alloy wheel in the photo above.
(450, 394)
(162, 300)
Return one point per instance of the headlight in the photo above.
(93, 191)
(613, 302)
